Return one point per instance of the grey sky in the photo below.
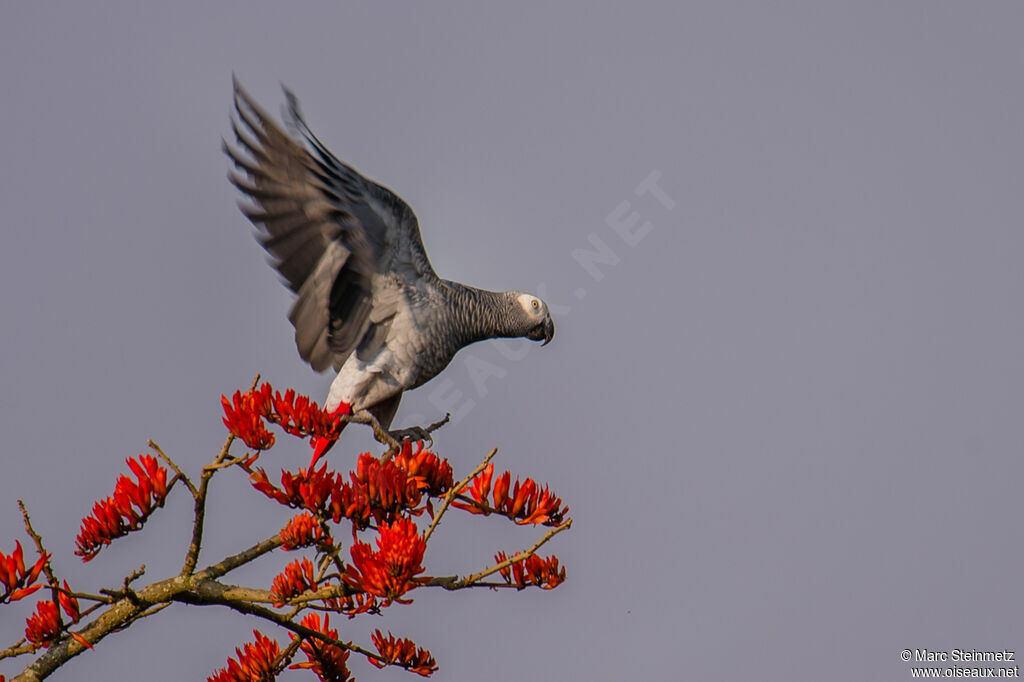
(787, 420)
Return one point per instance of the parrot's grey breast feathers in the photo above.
(347, 247)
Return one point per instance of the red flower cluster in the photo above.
(245, 413)
(378, 490)
(44, 625)
(16, 580)
(256, 661)
(302, 531)
(403, 652)
(391, 571)
(398, 484)
(243, 416)
(328, 661)
(432, 474)
(534, 570)
(296, 579)
(527, 503)
(127, 509)
(310, 489)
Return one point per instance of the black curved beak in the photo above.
(549, 330)
(545, 330)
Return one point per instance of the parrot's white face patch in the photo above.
(533, 306)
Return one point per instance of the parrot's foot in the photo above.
(420, 433)
(413, 433)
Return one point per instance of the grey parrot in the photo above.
(368, 303)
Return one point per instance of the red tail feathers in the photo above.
(322, 445)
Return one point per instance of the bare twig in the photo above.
(516, 558)
(151, 611)
(440, 422)
(448, 582)
(85, 595)
(192, 556)
(126, 592)
(38, 540)
(286, 656)
(47, 568)
(456, 489)
(234, 561)
(226, 463)
(17, 649)
(160, 453)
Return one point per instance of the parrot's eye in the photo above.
(535, 304)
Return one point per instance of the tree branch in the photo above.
(213, 592)
(192, 556)
(115, 610)
(456, 489)
(131, 605)
(47, 568)
(160, 453)
(471, 580)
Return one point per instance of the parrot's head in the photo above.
(538, 323)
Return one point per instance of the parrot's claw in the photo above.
(413, 433)
(419, 433)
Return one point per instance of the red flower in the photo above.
(69, 603)
(533, 570)
(310, 489)
(528, 503)
(128, 508)
(391, 571)
(320, 491)
(256, 661)
(16, 581)
(296, 579)
(351, 502)
(387, 487)
(302, 531)
(378, 490)
(383, 490)
(480, 488)
(403, 652)
(245, 413)
(43, 626)
(432, 474)
(328, 661)
(300, 416)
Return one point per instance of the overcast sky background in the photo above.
(787, 419)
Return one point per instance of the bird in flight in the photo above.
(368, 303)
